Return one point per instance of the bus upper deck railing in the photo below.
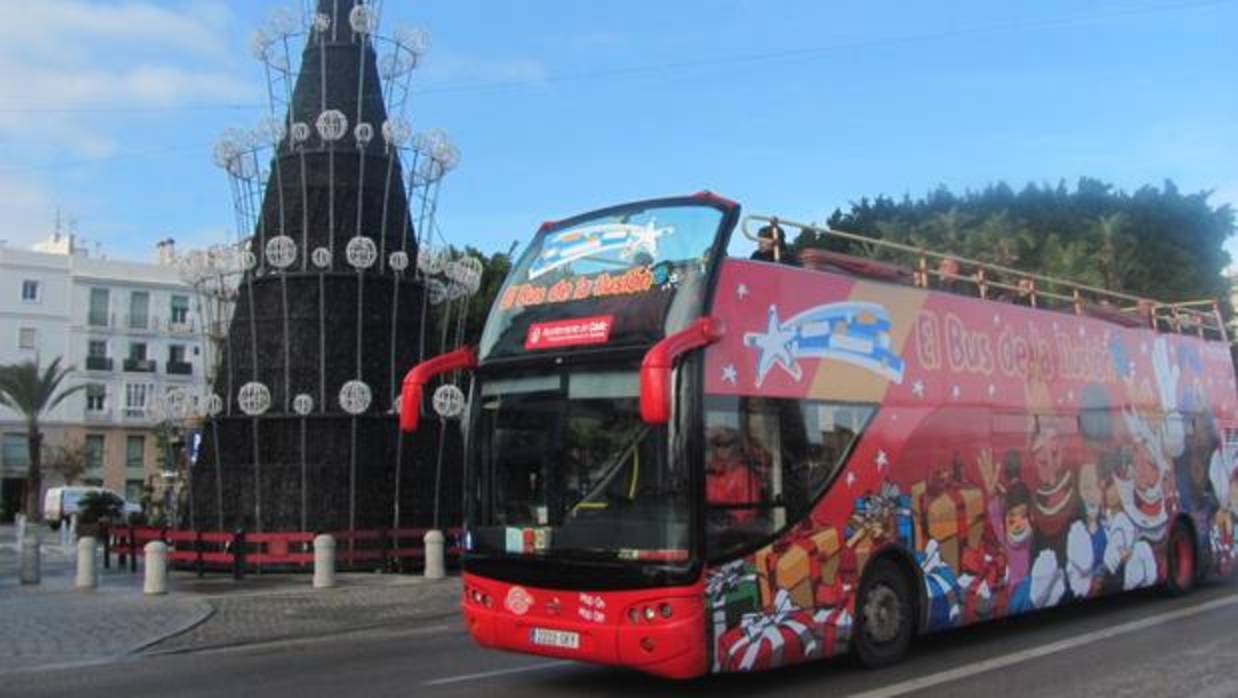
(929, 269)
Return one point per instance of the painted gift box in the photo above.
(950, 512)
(834, 628)
(942, 589)
(983, 584)
(733, 591)
(786, 635)
(878, 519)
(801, 566)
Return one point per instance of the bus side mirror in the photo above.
(419, 375)
(655, 370)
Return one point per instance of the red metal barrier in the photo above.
(399, 548)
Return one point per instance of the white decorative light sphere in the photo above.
(281, 22)
(361, 252)
(398, 260)
(213, 404)
(456, 291)
(254, 398)
(321, 257)
(332, 125)
(467, 272)
(431, 260)
(271, 130)
(361, 19)
(414, 39)
(179, 403)
(355, 397)
(300, 132)
(364, 133)
(448, 401)
(259, 44)
(397, 131)
(322, 22)
(157, 409)
(281, 251)
(436, 291)
(398, 405)
(396, 64)
(248, 260)
(303, 404)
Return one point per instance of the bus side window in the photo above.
(767, 461)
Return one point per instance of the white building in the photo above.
(130, 331)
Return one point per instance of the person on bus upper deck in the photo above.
(731, 474)
(772, 245)
(948, 276)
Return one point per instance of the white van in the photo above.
(61, 503)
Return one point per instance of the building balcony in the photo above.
(140, 365)
(184, 327)
(98, 363)
(136, 414)
(100, 320)
(179, 368)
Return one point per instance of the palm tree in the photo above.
(26, 391)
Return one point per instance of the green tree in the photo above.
(31, 393)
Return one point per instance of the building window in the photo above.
(137, 351)
(94, 455)
(139, 310)
(97, 349)
(135, 447)
(176, 353)
(96, 397)
(133, 491)
(180, 310)
(136, 395)
(98, 314)
(26, 338)
(30, 290)
(15, 451)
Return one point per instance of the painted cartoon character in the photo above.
(1224, 479)
(1142, 518)
(1088, 538)
(1009, 518)
(1055, 501)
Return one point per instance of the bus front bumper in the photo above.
(658, 631)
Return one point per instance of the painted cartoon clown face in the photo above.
(1090, 490)
(1018, 525)
(1143, 494)
(1047, 453)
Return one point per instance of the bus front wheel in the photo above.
(1182, 568)
(884, 616)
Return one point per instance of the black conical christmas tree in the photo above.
(328, 315)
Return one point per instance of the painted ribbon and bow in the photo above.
(770, 631)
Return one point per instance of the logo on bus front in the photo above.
(518, 601)
(569, 333)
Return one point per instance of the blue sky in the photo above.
(792, 108)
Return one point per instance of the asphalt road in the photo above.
(1134, 645)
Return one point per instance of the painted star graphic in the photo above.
(775, 346)
(729, 375)
(1143, 348)
(882, 460)
(1083, 332)
(741, 291)
(850, 479)
(955, 392)
(992, 390)
(917, 389)
(1070, 396)
(997, 319)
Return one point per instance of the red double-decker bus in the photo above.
(685, 462)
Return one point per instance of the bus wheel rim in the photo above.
(882, 614)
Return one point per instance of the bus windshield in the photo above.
(622, 278)
(568, 469)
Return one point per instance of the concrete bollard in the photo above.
(86, 576)
(156, 568)
(31, 559)
(20, 520)
(435, 567)
(324, 561)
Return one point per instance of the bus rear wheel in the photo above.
(1182, 567)
(884, 616)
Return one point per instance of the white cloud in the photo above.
(29, 211)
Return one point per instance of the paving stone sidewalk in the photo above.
(52, 624)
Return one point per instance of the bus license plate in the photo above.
(556, 638)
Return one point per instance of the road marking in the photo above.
(497, 672)
(912, 685)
